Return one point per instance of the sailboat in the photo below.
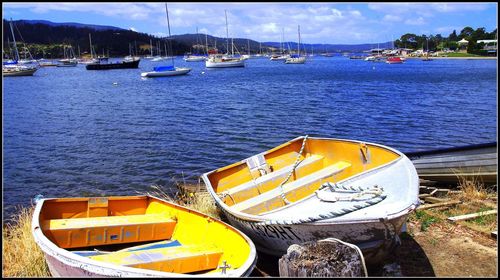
(282, 56)
(93, 55)
(169, 70)
(296, 58)
(69, 59)
(426, 58)
(247, 56)
(219, 60)
(195, 57)
(13, 68)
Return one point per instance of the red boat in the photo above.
(394, 59)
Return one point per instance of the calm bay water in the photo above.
(73, 132)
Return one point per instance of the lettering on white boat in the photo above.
(275, 231)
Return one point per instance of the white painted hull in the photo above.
(18, 72)
(225, 64)
(279, 58)
(298, 60)
(177, 72)
(375, 229)
(195, 59)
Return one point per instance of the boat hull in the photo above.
(293, 60)
(176, 72)
(225, 64)
(17, 73)
(374, 227)
(450, 165)
(108, 66)
(195, 59)
(61, 241)
(375, 239)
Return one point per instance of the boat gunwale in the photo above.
(250, 218)
(100, 268)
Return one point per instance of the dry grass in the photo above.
(21, 255)
(191, 197)
(475, 198)
(473, 189)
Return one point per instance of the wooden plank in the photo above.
(444, 204)
(424, 195)
(470, 216)
(435, 199)
(441, 192)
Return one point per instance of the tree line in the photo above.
(438, 42)
(47, 41)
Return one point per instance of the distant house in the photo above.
(489, 45)
(462, 44)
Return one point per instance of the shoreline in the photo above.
(454, 57)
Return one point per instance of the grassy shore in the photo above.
(23, 258)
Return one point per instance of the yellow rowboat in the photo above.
(137, 236)
(314, 188)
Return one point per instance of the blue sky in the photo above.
(320, 22)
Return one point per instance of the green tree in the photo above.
(466, 33)
(453, 36)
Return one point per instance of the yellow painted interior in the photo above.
(181, 259)
(360, 157)
(75, 223)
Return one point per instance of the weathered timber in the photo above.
(443, 204)
(474, 215)
(435, 199)
(325, 258)
(442, 192)
(424, 195)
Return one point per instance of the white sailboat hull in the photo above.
(296, 60)
(224, 64)
(195, 58)
(17, 71)
(178, 71)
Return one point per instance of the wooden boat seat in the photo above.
(267, 181)
(178, 259)
(267, 201)
(96, 231)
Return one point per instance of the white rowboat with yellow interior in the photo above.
(137, 236)
(314, 188)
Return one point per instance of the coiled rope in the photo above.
(378, 196)
(297, 161)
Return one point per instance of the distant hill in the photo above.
(323, 48)
(49, 38)
(72, 24)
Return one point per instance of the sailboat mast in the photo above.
(91, 52)
(151, 46)
(14, 40)
(206, 42)
(298, 45)
(168, 23)
(248, 41)
(227, 34)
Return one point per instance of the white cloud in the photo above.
(418, 21)
(392, 18)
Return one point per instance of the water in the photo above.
(70, 132)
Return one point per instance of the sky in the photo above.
(320, 22)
